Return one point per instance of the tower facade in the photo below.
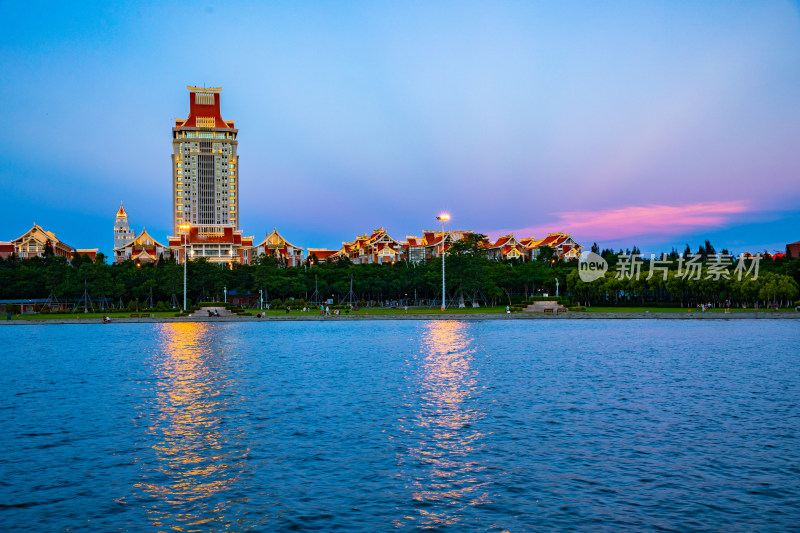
(205, 183)
(122, 229)
(205, 166)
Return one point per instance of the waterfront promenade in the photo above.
(742, 315)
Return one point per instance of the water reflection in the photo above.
(198, 454)
(440, 464)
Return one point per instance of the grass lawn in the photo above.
(79, 315)
(674, 310)
(386, 311)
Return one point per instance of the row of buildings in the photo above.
(231, 248)
(205, 214)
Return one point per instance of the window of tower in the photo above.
(206, 122)
(204, 98)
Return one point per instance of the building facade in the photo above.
(286, 253)
(122, 228)
(205, 184)
(432, 244)
(35, 241)
(563, 245)
(143, 249)
(377, 247)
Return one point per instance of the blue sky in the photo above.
(649, 123)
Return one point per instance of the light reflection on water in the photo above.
(375, 426)
(197, 455)
(439, 464)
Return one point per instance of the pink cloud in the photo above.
(623, 222)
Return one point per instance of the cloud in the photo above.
(636, 220)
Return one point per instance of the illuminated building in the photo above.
(283, 251)
(378, 247)
(122, 228)
(562, 244)
(431, 244)
(205, 183)
(322, 255)
(505, 247)
(142, 249)
(34, 242)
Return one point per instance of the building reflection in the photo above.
(440, 465)
(196, 458)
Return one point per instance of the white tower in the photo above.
(122, 230)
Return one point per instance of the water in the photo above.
(383, 426)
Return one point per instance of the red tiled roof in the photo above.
(321, 254)
(203, 110)
(501, 241)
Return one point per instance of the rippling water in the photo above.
(381, 426)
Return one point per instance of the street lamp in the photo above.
(184, 229)
(444, 217)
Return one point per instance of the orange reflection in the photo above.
(194, 459)
(444, 479)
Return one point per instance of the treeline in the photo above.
(469, 276)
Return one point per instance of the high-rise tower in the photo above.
(205, 166)
(122, 229)
(205, 183)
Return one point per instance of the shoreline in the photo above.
(466, 316)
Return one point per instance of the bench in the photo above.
(134, 315)
(547, 310)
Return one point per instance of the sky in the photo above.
(653, 124)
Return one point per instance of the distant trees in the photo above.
(469, 274)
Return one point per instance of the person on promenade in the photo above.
(327, 310)
(288, 308)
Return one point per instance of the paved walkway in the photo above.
(203, 312)
(469, 317)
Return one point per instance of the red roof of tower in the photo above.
(204, 110)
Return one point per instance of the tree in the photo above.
(546, 253)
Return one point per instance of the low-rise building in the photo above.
(283, 251)
(6, 248)
(220, 244)
(34, 242)
(431, 244)
(377, 247)
(562, 244)
(505, 247)
(322, 255)
(143, 249)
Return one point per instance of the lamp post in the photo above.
(444, 217)
(226, 293)
(184, 228)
